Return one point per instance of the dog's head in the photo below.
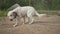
(12, 15)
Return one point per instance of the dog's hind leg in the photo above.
(30, 20)
(30, 16)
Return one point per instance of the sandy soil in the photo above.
(44, 25)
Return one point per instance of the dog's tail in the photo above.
(40, 15)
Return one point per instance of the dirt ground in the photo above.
(44, 25)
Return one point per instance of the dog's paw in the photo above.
(30, 23)
(14, 25)
(23, 23)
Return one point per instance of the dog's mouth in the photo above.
(11, 19)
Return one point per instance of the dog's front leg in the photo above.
(23, 20)
(15, 23)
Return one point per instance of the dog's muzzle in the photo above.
(11, 19)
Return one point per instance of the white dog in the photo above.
(26, 11)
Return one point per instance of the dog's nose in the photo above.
(11, 19)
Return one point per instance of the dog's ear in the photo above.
(15, 14)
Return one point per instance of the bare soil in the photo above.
(44, 25)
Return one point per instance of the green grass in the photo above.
(3, 13)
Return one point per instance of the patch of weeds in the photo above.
(43, 11)
(58, 13)
(3, 13)
(52, 12)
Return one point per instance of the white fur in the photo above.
(26, 11)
